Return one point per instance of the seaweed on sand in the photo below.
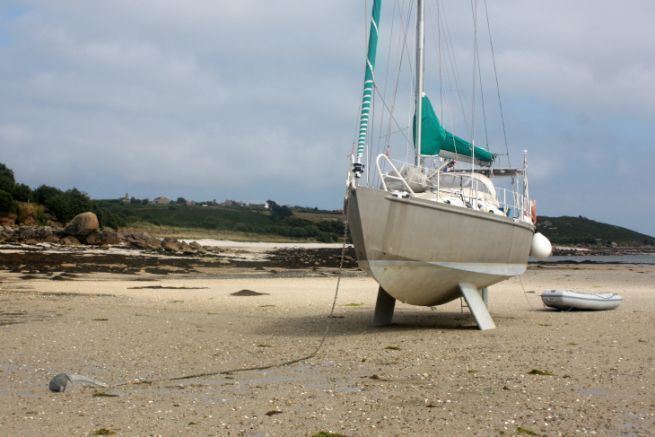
(540, 372)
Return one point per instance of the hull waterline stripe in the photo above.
(493, 269)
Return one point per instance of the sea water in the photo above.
(648, 258)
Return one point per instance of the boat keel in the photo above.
(476, 302)
(384, 308)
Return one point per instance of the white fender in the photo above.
(541, 247)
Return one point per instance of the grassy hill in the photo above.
(228, 221)
(568, 230)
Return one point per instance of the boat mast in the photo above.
(420, 69)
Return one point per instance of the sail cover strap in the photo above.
(367, 97)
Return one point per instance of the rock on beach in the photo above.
(82, 225)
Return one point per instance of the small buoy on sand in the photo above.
(62, 381)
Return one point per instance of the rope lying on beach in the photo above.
(525, 294)
(313, 354)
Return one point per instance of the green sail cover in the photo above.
(435, 140)
(369, 83)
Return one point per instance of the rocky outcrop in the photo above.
(141, 240)
(172, 245)
(111, 236)
(29, 234)
(177, 246)
(69, 240)
(82, 225)
(103, 237)
(81, 231)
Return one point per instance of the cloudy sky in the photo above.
(255, 100)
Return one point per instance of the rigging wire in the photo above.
(474, 10)
(390, 107)
(378, 145)
(388, 66)
(386, 92)
(483, 108)
(452, 63)
(440, 60)
(403, 51)
(500, 102)
(475, 61)
(483, 105)
(409, 144)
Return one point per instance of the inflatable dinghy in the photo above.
(574, 300)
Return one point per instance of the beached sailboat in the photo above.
(429, 232)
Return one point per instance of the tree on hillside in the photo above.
(108, 218)
(68, 204)
(22, 192)
(7, 204)
(279, 212)
(63, 204)
(7, 180)
(44, 193)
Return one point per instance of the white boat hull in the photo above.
(419, 251)
(571, 300)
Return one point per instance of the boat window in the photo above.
(482, 187)
(450, 181)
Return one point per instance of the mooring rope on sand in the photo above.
(314, 353)
(525, 293)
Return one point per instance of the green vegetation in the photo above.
(526, 431)
(581, 230)
(7, 184)
(7, 180)
(64, 205)
(7, 204)
(328, 434)
(103, 431)
(45, 202)
(254, 220)
(540, 372)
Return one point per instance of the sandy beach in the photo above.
(431, 372)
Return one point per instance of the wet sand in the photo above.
(430, 372)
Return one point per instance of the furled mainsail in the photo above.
(435, 140)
